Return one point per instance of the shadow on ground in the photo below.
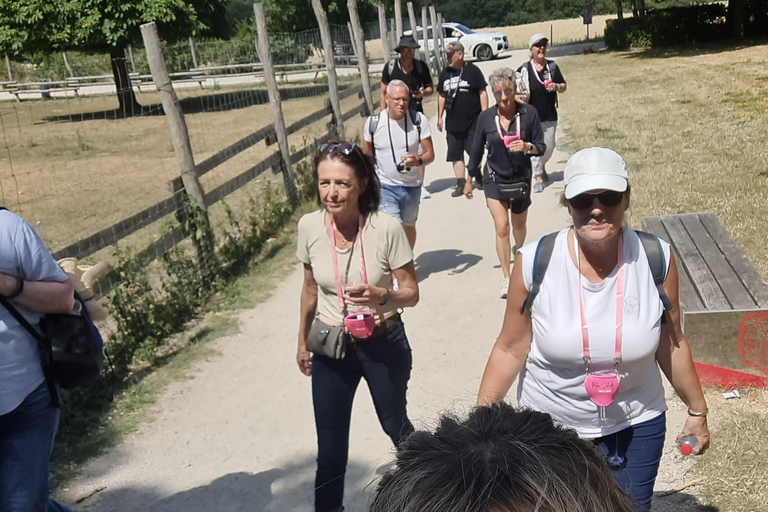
(679, 502)
(276, 490)
(439, 185)
(454, 260)
(217, 102)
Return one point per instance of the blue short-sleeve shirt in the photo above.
(24, 255)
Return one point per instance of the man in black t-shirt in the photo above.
(414, 72)
(463, 96)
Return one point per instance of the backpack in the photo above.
(651, 245)
(71, 346)
(415, 119)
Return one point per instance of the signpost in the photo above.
(588, 11)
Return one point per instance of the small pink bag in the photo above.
(508, 139)
(361, 324)
(602, 387)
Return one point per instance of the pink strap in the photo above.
(619, 304)
(339, 288)
(498, 125)
(536, 74)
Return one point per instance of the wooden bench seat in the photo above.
(723, 298)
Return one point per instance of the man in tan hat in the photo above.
(414, 72)
(463, 96)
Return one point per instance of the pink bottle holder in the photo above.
(547, 82)
(361, 324)
(602, 387)
(509, 139)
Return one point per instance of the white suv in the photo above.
(481, 45)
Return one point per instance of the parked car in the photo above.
(478, 44)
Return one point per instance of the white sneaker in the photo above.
(425, 193)
(504, 288)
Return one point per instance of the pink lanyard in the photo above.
(339, 288)
(619, 304)
(498, 125)
(536, 73)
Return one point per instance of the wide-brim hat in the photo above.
(595, 169)
(536, 39)
(406, 42)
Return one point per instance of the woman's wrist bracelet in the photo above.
(698, 414)
(389, 294)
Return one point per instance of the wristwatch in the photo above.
(421, 161)
(529, 151)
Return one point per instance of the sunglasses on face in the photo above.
(343, 147)
(507, 92)
(606, 198)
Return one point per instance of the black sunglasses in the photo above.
(343, 147)
(509, 92)
(606, 198)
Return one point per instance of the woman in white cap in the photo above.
(539, 82)
(590, 364)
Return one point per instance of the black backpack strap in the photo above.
(657, 262)
(540, 263)
(45, 349)
(372, 125)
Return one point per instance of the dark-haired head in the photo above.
(363, 166)
(499, 459)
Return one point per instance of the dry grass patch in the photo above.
(561, 31)
(690, 124)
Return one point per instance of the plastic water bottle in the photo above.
(688, 445)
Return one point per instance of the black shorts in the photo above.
(458, 143)
(492, 192)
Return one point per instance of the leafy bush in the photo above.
(671, 26)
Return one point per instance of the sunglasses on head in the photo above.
(606, 198)
(343, 147)
(507, 92)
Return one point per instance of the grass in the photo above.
(689, 121)
(104, 424)
(561, 31)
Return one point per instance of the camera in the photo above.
(402, 168)
(449, 101)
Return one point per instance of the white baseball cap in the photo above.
(535, 38)
(595, 169)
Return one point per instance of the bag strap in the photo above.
(391, 67)
(416, 119)
(658, 263)
(540, 263)
(372, 125)
(46, 355)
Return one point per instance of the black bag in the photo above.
(71, 348)
(512, 191)
(327, 340)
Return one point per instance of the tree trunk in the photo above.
(736, 13)
(128, 107)
(619, 10)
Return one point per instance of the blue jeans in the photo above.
(401, 202)
(385, 363)
(634, 455)
(26, 442)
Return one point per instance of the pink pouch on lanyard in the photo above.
(508, 139)
(602, 387)
(362, 323)
(547, 82)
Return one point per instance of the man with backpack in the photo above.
(35, 285)
(393, 138)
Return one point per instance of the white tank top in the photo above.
(552, 379)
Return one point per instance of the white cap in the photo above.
(595, 169)
(535, 38)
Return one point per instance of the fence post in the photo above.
(330, 63)
(425, 38)
(362, 58)
(383, 33)
(181, 145)
(130, 56)
(10, 70)
(194, 54)
(277, 106)
(392, 35)
(398, 20)
(352, 40)
(435, 38)
(66, 65)
(414, 32)
(441, 37)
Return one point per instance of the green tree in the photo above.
(28, 26)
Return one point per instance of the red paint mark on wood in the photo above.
(711, 375)
(753, 340)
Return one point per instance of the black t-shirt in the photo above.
(544, 100)
(466, 105)
(509, 166)
(418, 77)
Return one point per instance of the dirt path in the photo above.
(240, 434)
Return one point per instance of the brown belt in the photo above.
(382, 327)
